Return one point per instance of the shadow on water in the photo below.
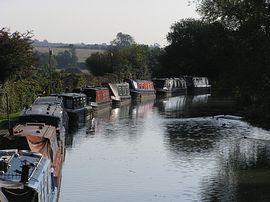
(238, 154)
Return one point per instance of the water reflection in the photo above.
(242, 173)
(195, 106)
(238, 161)
(177, 149)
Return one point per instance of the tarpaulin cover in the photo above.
(40, 145)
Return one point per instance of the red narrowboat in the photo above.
(141, 90)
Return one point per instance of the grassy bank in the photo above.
(4, 120)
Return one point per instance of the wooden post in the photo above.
(7, 102)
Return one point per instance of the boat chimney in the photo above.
(3, 166)
(25, 173)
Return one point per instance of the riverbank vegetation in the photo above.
(230, 44)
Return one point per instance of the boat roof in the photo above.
(137, 80)
(52, 99)
(73, 95)
(122, 84)
(95, 88)
(176, 78)
(11, 162)
(43, 109)
(35, 129)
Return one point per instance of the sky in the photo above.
(95, 21)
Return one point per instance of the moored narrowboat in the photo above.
(97, 97)
(197, 85)
(26, 176)
(76, 106)
(166, 87)
(49, 114)
(119, 93)
(141, 90)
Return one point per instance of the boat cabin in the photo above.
(76, 106)
(26, 176)
(44, 139)
(119, 93)
(97, 96)
(49, 114)
(170, 86)
(141, 89)
(74, 100)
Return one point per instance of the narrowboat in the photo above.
(44, 139)
(97, 97)
(26, 176)
(166, 87)
(141, 90)
(49, 114)
(119, 93)
(197, 85)
(76, 106)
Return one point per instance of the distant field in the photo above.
(82, 54)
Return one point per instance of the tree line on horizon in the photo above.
(230, 44)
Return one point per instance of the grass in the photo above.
(82, 54)
(4, 120)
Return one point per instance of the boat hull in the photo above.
(169, 93)
(140, 96)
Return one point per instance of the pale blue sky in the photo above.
(89, 21)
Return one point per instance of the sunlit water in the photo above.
(179, 149)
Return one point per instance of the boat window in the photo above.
(120, 90)
(84, 101)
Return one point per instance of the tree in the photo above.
(68, 58)
(196, 48)
(122, 40)
(16, 55)
(64, 59)
(99, 63)
(249, 21)
(132, 61)
(237, 14)
(74, 58)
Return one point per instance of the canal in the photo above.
(177, 149)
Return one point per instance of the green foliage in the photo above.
(43, 59)
(100, 63)
(16, 55)
(125, 59)
(237, 14)
(122, 40)
(20, 93)
(68, 58)
(230, 45)
(197, 48)
(74, 58)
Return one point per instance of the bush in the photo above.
(20, 93)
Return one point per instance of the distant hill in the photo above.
(45, 43)
(83, 51)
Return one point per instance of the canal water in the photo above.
(177, 149)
